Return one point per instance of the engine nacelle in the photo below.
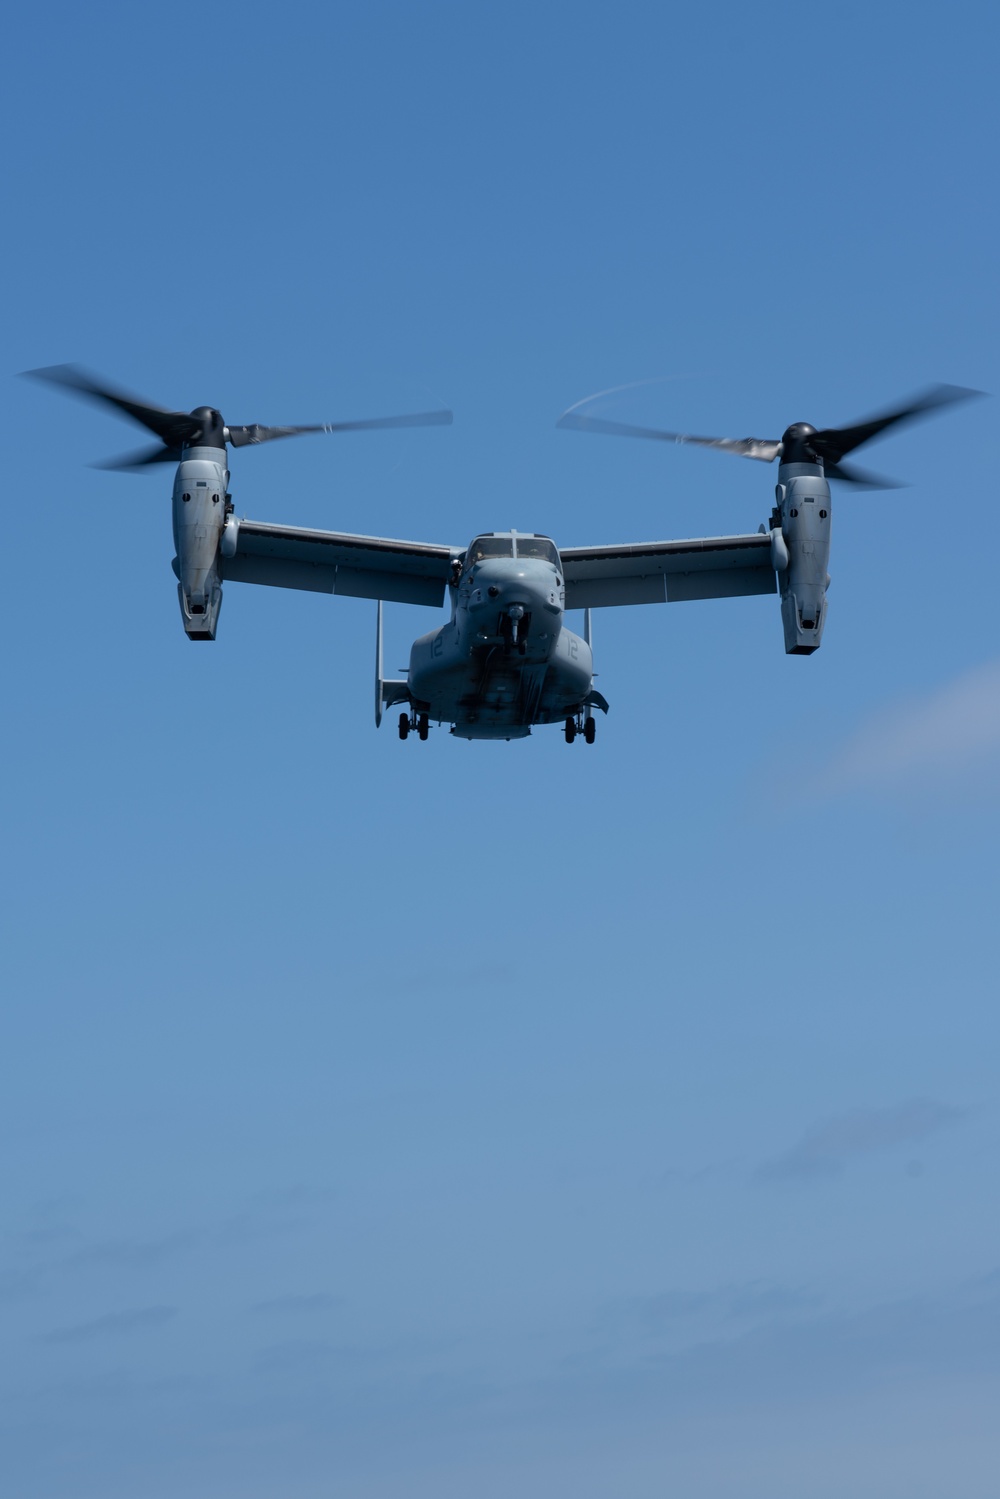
(200, 611)
(199, 522)
(803, 545)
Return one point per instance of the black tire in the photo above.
(404, 725)
(570, 730)
(423, 726)
(590, 730)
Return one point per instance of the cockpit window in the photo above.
(489, 546)
(537, 546)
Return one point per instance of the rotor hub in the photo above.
(795, 446)
(213, 428)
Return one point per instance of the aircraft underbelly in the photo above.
(487, 694)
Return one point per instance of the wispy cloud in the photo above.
(683, 1310)
(309, 1356)
(950, 732)
(318, 1301)
(266, 1214)
(826, 1147)
(272, 1214)
(131, 1254)
(111, 1324)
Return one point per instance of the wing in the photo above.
(667, 572)
(360, 567)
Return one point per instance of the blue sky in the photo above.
(384, 1120)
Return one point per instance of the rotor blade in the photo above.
(242, 437)
(171, 426)
(763, 448)
(832, 443)
(142, 459)
(848, 474)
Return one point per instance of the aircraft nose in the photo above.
(510, 596)
(502, 585)
(516, 585)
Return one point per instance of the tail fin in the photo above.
(386, 693)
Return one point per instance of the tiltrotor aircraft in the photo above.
(505, 660)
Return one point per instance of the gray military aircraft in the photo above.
(504, 661)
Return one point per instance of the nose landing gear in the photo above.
(513, 627)
(418, 721)
(580, 725)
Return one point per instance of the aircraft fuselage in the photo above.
(505, 660)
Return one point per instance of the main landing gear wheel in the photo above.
(585, 726)
(423, 726)
(404, 725)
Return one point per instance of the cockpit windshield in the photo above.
(537, 546)
(489, 546)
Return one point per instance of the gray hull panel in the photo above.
(490, 694)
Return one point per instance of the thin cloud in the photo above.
(131, 1254)
(954, 730)
(318, 1301)
(827, 1147)
(111, 1324)
(272, 1213)
(748, 1301)
(308, 1355)
(265, 1214)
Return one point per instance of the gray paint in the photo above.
(199, 515)
(504, 661)
(803, 502)
(668, 571)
